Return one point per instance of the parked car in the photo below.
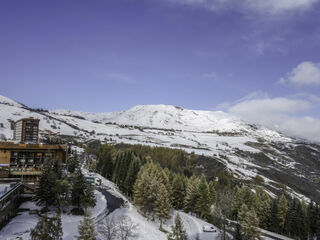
(209, 229)
(92, 180)
(97, 181)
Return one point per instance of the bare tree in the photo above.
(223, 210)
(108, 229)
(223, 236)
(126, 228)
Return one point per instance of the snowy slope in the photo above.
(171, 117)
(21, 225)
(203, 132)
(9, 102)
(160, 117)
(146, 229)
(245, 149)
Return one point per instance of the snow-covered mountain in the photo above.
(245, 149)
(176, 118)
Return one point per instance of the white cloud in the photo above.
(263, 6)
(281, 114)
(305, 127)
(280, 6)
(270, 105)
(211, 75)
(120, 77)
(305, 74)
(208, 4)
(225, 106)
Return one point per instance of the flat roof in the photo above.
(28, 119)
(12, 145)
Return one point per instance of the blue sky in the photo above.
(108, 55)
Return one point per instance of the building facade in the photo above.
(26, 130)
(25, 161)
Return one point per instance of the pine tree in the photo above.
(178, 192)
(139, 189)
(237, 201)
(264, 210)
(117, 168)
(238, 234)
(191, 194)
(248, 196)
(313, 216)
(126, 159)
(301, 219)
(249, 223)
(45, 192)
(295, 224)
(242, 213)
(78, 186)
(62, 192)
(317, 221)
(131, 177)
(82, 193)
(162, 204)
(162, 176)
(73, 164)
(273, 222)
(93, 166)
(86, 228)
(105, 161)
(212, 193)
(152, 195)
(304, 206)
(88, 199)
(178, 231)
(282, 210)
(57, 168)
(252, 230)
(48, 228)
(142, 189)
(256, 202)
(203, 201)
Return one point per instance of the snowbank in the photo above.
(20, 225)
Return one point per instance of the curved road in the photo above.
(112, 202)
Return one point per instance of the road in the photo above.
(113, 203)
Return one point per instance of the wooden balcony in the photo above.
(16, 173)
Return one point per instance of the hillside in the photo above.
(145, 229)
(246, 150)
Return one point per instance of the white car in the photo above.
(209, 229)
(97, 181)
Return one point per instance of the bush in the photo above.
(259, 179)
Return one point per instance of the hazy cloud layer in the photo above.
(305, 74)
(262, 6)
(281, 114)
